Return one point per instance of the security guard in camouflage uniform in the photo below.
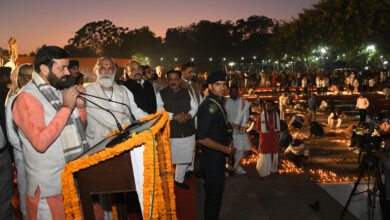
(212, 134)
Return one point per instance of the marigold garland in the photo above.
(158, 174)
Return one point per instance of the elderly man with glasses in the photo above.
(143, 91)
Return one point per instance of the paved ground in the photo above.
(275, 197)
(289, 196)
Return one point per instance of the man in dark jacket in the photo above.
(181, 107)
(144, 95)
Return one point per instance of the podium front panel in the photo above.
(110, 176)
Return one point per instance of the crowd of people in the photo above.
(49, 118)
(339, 80)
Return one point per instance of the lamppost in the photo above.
(231, 64)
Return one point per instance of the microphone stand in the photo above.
(108, 100)
(116, 120)
(122, 136)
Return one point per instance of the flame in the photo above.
(317, 175)
(345, 141)
(250, 159)
(323, 176)
(298, 135)
(288, 167)
(337, 130)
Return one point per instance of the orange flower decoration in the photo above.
(158, 189)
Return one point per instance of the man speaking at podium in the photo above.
(51, 131)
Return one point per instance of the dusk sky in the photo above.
(51, 22)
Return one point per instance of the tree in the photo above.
(96, 36)
(142, 42)
(252, 35)
(343, 26)
(202, 40)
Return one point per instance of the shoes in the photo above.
(182, 185)
(239, 170)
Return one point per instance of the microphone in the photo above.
(116, 120)
(109, 100)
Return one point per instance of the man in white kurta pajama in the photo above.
(181, 108)
(100, 123)
(237, 109)
(283, 103)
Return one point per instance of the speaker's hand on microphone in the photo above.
(69, 96)
(80, 103)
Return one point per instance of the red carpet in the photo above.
(185, 201)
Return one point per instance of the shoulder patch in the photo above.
(212, 108)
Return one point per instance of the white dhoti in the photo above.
(241, 143)
(182, 150)
(238, 113)
(266, 164)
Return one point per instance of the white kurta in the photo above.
(100, 123)
(238, 113)
(182, 149)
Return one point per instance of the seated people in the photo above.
(299, 107)
(324, 105)
(297, 152)
(297, 121)
(316, 129)
(357, 137)
(335, 116)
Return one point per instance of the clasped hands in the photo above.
(181, 117)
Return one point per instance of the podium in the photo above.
(111, 176)
(107, 168)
